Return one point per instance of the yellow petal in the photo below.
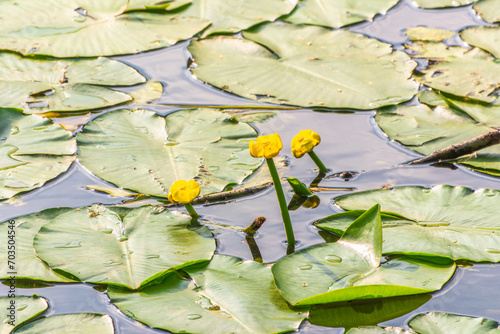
(183, 191)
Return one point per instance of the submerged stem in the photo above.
(290, 238)
(318, 162)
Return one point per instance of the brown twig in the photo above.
(460, 149)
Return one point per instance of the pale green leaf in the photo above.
(442, 3)
(489, 10)
(24, 307)
(486, 38)
(439, 322)
(77, 323)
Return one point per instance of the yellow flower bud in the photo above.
(266, 146)
(304, 142)
(183, 191)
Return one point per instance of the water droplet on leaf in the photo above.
(333, 258)
(193, 316)
(306, 267)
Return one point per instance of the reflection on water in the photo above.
(350, 142)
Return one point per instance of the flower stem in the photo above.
(318, 162)
(192, 212)
(290, 238)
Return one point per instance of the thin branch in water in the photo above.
(457, 150)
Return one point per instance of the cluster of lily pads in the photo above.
(150, 258)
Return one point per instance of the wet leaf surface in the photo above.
(25, 308)
(77, 323)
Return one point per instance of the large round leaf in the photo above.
(488, 10)
(486, 38)
(231, 16)
(335, 14)
(133, 150)
(77, 323)
(351, 269)
(438, 322)
(40, 86)
(228, 296)
(455, 222)
(32, 151)
(130, 249)
(27, 265)
(95, 28)
(24, 307)
(426, 130)
(306, 66)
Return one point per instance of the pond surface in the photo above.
(351, 141)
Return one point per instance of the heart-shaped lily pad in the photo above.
(455, 222)
(307, 66)
(32, 151)
(147, 153)
(96, 28)
(351, 269)
(227, 296)
(129, 248)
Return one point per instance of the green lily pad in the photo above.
(133, 150)
(27, 264)
(77, 323)
(426, 130)
(351, 269)
(230, 17)
(41, 86)
(442, 3)
(454, 222)
(488, 10)
(438, 322)
(25, 309)
(307, 66)
(70, 29)
(364, 312)
(487, 38)
(434, 51)
(151, 91)
(378, 330)
(336, 14)
(33, 150)
(130, 249)
(428, 34)
(473, 75)
(156, 4)
(227, 296)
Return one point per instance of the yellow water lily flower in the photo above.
(183, 191)
(304, 142)
(266, 146)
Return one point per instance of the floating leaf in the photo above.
(483, 37)
(98, 245)
(133, 150)
(70, 29)
(471, 75)
(488, 10)
(227, 296)
(151, 91)
(25, 308)
(41, 86)
(442, 3)
(235, 15)
(156, 4)
(29, 265)
(438, 322)
(32, 151)
(335, 14)
(378, 330)
(426, 130)
(350, 269)
(77, 323)
(307, 66)
(428, 34)
(455, 222)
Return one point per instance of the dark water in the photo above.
(350, 142)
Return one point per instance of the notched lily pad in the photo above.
(351, 269)
(41, 86)
(72, 29)
(147, 153)
(307, 66)
(336, 14)
(33, 150)
(455, 222)
(129, 247)
(227, 296)
(229, 17)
